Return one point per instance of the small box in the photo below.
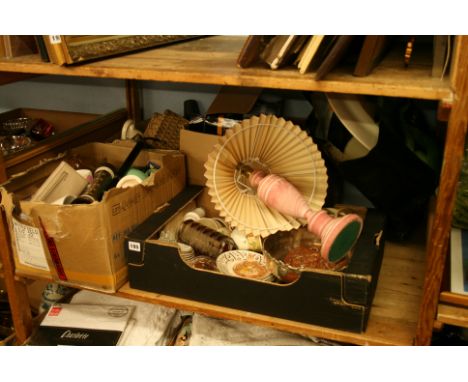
(196, 147)
(82, 245)
(64, 180)
(339, 300)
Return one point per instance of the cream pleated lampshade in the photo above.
(274, 146)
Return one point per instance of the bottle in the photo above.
(191, 109)
(204, 240)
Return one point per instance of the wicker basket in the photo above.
(165, 129)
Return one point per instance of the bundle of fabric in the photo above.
(208, 331)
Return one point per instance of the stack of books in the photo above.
(320, 54)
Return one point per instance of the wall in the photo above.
(96, 95)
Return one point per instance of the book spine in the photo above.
(41, 47)
(55, 49)
(2, 46)
(74, 336)
(7, 46)
(333, 58)
(250, 51)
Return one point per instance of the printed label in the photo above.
(29, 246)
(55, 39)
(134, 246)
(55, 311)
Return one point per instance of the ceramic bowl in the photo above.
(244, 263)
(288, 253)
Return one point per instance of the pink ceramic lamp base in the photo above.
(338, 235)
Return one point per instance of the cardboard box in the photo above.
(82, 245)
(196, 145)
(340, 300)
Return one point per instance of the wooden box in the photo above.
(71, 129)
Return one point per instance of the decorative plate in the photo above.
(244, 263)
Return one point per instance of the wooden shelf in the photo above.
(454, 298)
(408, 288)
(453, 309)
(393, 317)
(212, 60)
(453, 315)
(394, 314)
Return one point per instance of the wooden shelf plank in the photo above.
(453, 298)
(453, 315)
(394, 313)
(8, 77)
(212, 60)
(393, 316)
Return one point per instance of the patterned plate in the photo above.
(244, 263)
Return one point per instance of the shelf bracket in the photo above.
(133, 97)
(17, 291)
(440, 232)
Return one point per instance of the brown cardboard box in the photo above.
(82, 245)
(196, 147)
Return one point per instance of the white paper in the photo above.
(459, 261)
(151, 320)
(29, 246)
(97, 317)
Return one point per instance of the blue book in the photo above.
(459, 261)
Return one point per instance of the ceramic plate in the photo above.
(244, 263)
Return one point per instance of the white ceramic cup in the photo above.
(195, 214)
(67, 199)
(128, 181)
